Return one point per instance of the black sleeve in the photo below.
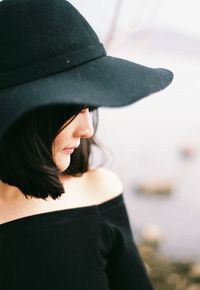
(125, 269)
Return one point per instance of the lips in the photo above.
(70, 150)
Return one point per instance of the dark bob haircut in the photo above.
(26, 151)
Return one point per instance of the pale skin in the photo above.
(94, 187)
(70, 136)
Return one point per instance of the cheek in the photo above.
(59, 141)
(61, 159)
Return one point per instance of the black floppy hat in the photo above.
(49, 54)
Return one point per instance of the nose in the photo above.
(84, 128)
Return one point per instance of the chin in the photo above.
(63, 163)
(63, 168)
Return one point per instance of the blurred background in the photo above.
(154, 145)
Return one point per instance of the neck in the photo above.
(8, 192)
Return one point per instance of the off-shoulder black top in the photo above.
(86, 248)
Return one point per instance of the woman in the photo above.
(63, 224)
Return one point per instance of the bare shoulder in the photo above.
(104, 184)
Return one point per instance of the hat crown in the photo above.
(33, 31)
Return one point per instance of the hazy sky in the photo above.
(179, 15)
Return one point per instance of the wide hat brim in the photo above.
(106, 81)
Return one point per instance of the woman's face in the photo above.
(69, 138)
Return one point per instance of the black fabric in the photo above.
(36, 35)
(51, 66)
(89, 248)
(49, 54)
(91, 84)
